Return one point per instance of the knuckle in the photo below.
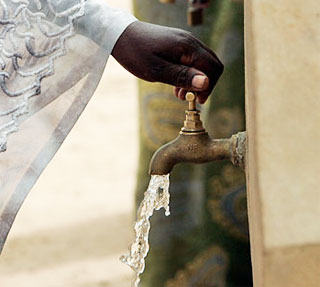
(217, 70)
(154, 73)
(182, 33)
(219, 64)
(220, 68)
(182, 77)
(191, 42)
(186, 38)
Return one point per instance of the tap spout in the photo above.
(197, 148)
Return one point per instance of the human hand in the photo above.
(168, 55)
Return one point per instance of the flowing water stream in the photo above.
(157, 196)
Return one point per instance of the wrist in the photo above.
(103, 24)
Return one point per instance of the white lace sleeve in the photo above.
(30, 42)
(34, 35)
(52, 55)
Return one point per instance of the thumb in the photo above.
(187, 78)
(200, 82)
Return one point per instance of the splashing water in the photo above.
(157, 196)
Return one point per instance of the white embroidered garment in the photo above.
(52, 55)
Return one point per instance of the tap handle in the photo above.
(193, 123)
(191, 98)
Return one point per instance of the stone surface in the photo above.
(283, 103)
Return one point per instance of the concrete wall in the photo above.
(283, 120)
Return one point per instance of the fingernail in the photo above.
(199, 82)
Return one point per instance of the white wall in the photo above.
(283, 116)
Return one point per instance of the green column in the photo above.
(185, 250)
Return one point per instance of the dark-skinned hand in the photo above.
(168, 55)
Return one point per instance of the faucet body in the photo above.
(194, 145)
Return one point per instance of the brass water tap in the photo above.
(194, 145)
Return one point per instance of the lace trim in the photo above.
(23, 64)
